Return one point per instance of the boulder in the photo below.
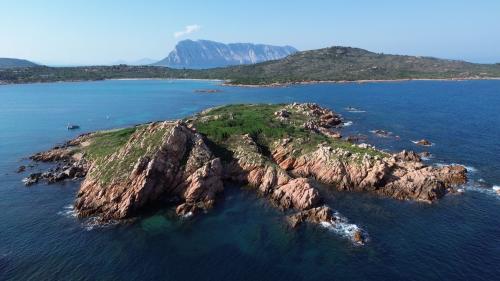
(423, 142)
(313, 215)
(32, 179)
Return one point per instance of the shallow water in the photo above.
(244, 238)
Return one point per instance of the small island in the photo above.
(282, 151)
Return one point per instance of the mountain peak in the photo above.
(201, 54)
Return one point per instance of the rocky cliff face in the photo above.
(280, 150)
(161, 162)
(209, 54)
(397, 176)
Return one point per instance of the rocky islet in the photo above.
(282, 151)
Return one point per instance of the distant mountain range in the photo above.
(13, 63)
(202, 54)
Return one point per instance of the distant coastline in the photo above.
(222, 81)
(287, 84)
(329, 65)
(182, 79)
(227, 83)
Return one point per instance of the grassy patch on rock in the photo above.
(105, 143)
(104, 149)
(221, 124)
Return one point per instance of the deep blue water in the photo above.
(244, 238)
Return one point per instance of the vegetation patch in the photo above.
(260, 123)
(105, 143)
(144, 144)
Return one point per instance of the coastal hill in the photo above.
(202, 54)
(329, 64)
(281, 151)
(352, 64)
(15, 63)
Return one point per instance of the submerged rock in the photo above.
(381, 133)
(208, 91)
(21, 169)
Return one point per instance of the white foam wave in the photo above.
(347, 124)
(354, 110)
(496, 189)
(68, 211)
(469, 169)
(94, 222)
(341, 226)
(89, 223)
(482, 188)
(187, 215)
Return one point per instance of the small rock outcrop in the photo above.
(313, 215)
(21, 169)
(423, 142)
(381, 133)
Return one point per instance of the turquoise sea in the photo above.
(244, 238)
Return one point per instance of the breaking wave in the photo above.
(68, 211)
(94, 222)
(493, 191)
(426, 158)
(88, 223)
(341, 226)
(187, 215)
(347, 124)
(469, 169)
(354, 110)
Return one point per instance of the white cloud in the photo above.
(187, 30)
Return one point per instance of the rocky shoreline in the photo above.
(282, 151)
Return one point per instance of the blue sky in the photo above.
(102, 32)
